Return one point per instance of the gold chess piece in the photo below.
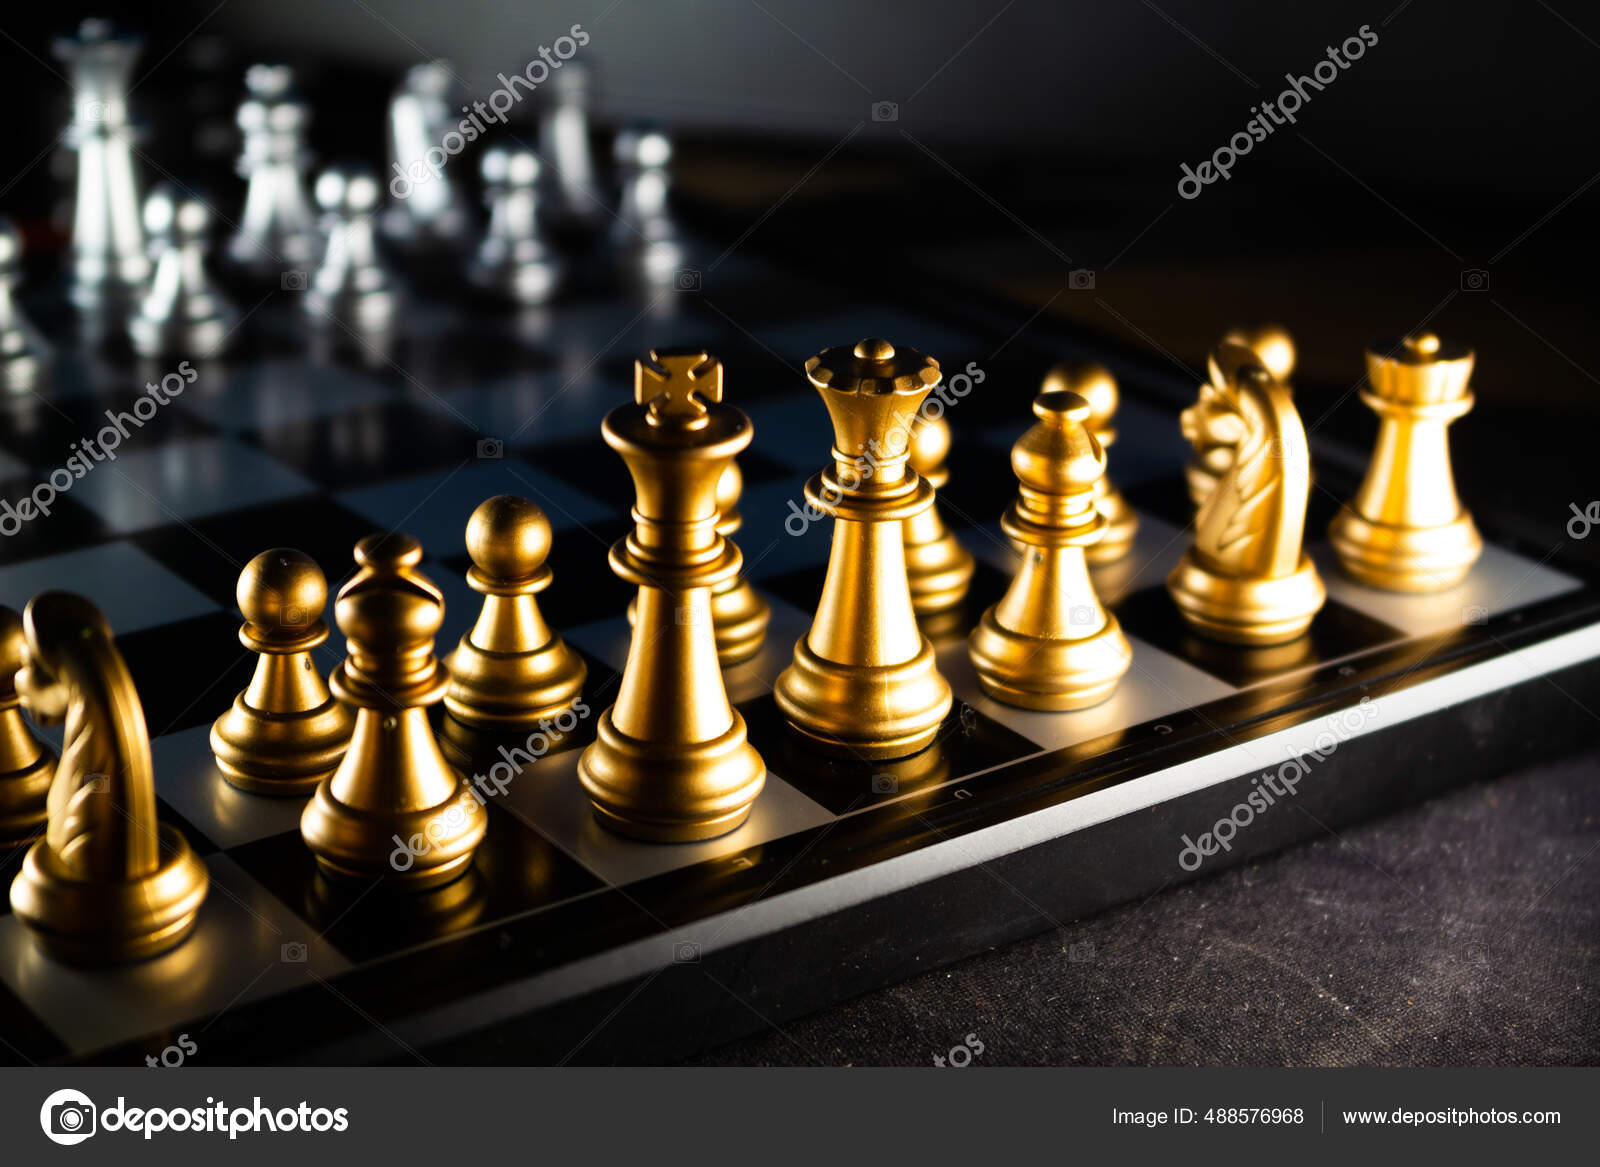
(108, 882)
(1247, 579)
(26, 764)
(938, 568)
(1406, 530)
(510, 671)
(671, 761)
(863, 682)
(394, 808)
(285, 733)
(738, 613)
(1095, 384)
(1048, 643)
(1215, 433)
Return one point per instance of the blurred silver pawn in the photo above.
(352, 285)
(514, 261)
(182, 313)
(23, 355)
(644, 238)
(278, 228)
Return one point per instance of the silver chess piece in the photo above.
(109, 263)
(564, 145)
(514, 261)
(183, 313)
(22, 353)
(352, 285)
(643, 236)
(427, 208)
(277, 235)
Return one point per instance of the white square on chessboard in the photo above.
(1500, 581)
(547, 797)
(531, 407)
(185, 479)
(246, 945)
(1155, 685)
(131, 589)
(277, 392)
(188, 780)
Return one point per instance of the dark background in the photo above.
(1447, 180)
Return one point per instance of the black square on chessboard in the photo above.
(968, 741)
(187, 673)
(67, 527)
(1337, 631)
(33, 430)
(368, 444)
(515, 870)
(210, 553)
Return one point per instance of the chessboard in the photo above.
(566, 943)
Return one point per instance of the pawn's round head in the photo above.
(642, 149)
(347, 191)
(930, 444)
(1271, 343)
(508, 537)
(13, 648)
(729, 487)
(1089, 380)
(10, 245)
(282, 591)
(177, 215)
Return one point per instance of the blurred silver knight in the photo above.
(421, 115)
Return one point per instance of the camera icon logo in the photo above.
(293, 280)
(68, 1117)
(885, 784)
(885, 111)
(491, 449)
(686, 952)
(1474, 279)
(1081, 279)
(293, 952)
(686, 279)
(1475, 614)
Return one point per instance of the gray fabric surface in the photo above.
(1465, 931)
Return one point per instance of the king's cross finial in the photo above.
(677, 386)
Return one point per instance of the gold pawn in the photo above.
(864, 682)
(738, 613)
(394, 808)
(1095, 384)
(510, 671)
(1406, 529)
(1048, 643)
(26, 764)
(109, 882)
(671, 761)
(285, 733)
(1215, 436)
(938, 567)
